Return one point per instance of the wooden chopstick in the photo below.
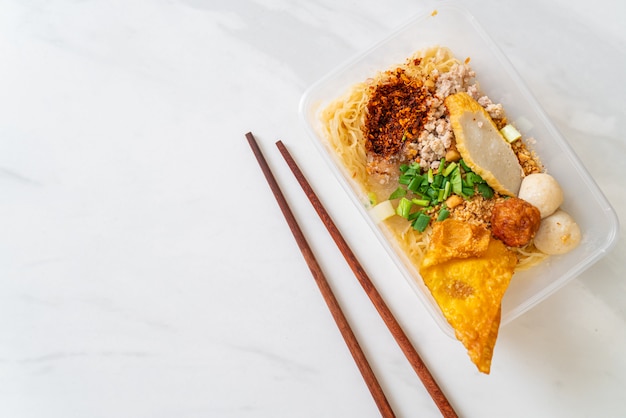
(394, 327)
(333, 305)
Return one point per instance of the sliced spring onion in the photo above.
(446, 190)
(399, 192)
(413, 170)
(510, 133)
(443, 214)
(449, 169)
(456, 181)
(468, 191)
(430, 176)
(404, 207)
(432, 193)
(421, 222)
(415, 183)
(438, 180)
(382, 211)
(442, 165)
(421, 202)
(405, 178)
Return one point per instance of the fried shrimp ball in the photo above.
(542, 191)
(515, 221)
(558, 234)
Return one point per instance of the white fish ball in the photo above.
(542, 191)
(557, 234)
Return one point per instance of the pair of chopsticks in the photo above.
(344, 327)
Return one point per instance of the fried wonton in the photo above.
(455, 239)
(468, 272)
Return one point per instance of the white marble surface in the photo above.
(145, 268)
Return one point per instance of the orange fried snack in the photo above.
(455, 239)
(468, 278)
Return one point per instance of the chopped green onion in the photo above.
(421, 202)
(457, 182)
(443, 214)
(403, 168)
(468, 191)
(446, 190)
(413, 216)
(438, 180)
(510, 133)
(404, 137)
(442, 165)
(412, 171)
(432, 193)
(415, 183)
(429, 176)
(421, 222)
(405, 178)
(440, 195)
(465, 166)
(399, 192)
(449, 169)
(404, 207)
